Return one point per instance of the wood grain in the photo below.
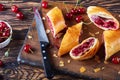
(13, 71)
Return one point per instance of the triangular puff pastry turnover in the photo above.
(70, 39)
(111, 42)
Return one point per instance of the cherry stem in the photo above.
(4, 37)
(31, 51)
(78, 1)
(87, 23)
(66, 7)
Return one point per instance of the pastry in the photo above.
(86, 49)
(56, 21)
(70, 39)
(111, 42)
(102, 18)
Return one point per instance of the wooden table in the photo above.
(13, 71)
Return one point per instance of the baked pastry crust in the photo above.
(56, 20)
(70, 39)
(88, 54)
(104, 13)
(111, 42)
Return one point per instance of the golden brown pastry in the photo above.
(102, 18)
(86, 49)
(70, 39)
(111, 42)
(55, 20)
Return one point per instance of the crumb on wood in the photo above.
(97, 32)
(61, 63)
(97, 70)
(82, 69)
(69, 61)
(91, 34)
(55, 55)
(29, 37)
(47, 31)
(119, 72)
(43, 18)
(103, 68)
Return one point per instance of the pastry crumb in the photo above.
(69, 61)
(97, 70)
(29, 37)
(103, 68)
(119, 15)
(47, 31)
(55, 55)
(119, 72)
(61, 63)
(43, 18)
(82, 69)
(97, 59)
(97, 32)
(91, 34)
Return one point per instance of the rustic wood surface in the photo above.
(11, 70)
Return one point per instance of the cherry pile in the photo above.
(75, 12)
(4, 31)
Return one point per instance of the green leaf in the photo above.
(7, 53)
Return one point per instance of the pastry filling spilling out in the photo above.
(50, 24)
(104, 22)
(84, 47)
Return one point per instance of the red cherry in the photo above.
(1, 63)
(14, 8)
(1, 39)
(27, 48)
(20, 15)
(116, 60)
(74, 11)
(6, 33)
(45, 4)
(1, 7)
(2, 25)
(79, 19)
(81, 10)
(69, 15)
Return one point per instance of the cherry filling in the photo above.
(80, 50)
(50, 24)
(104, 22)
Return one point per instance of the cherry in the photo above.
(109, 24)
(2, 25)
(69, 15)
(45, 4)
(81, 10)
(1, 39)
(27, 48)
(1, 63)
(74, 11)
(1, 7)
(116, 60)
(14, 9)
(79, 19)
(20, 15)
(6, 33)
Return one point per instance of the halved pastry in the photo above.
(102, 18)
(86, 49)
(111, 42)
(55, 20)
(70, 39)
